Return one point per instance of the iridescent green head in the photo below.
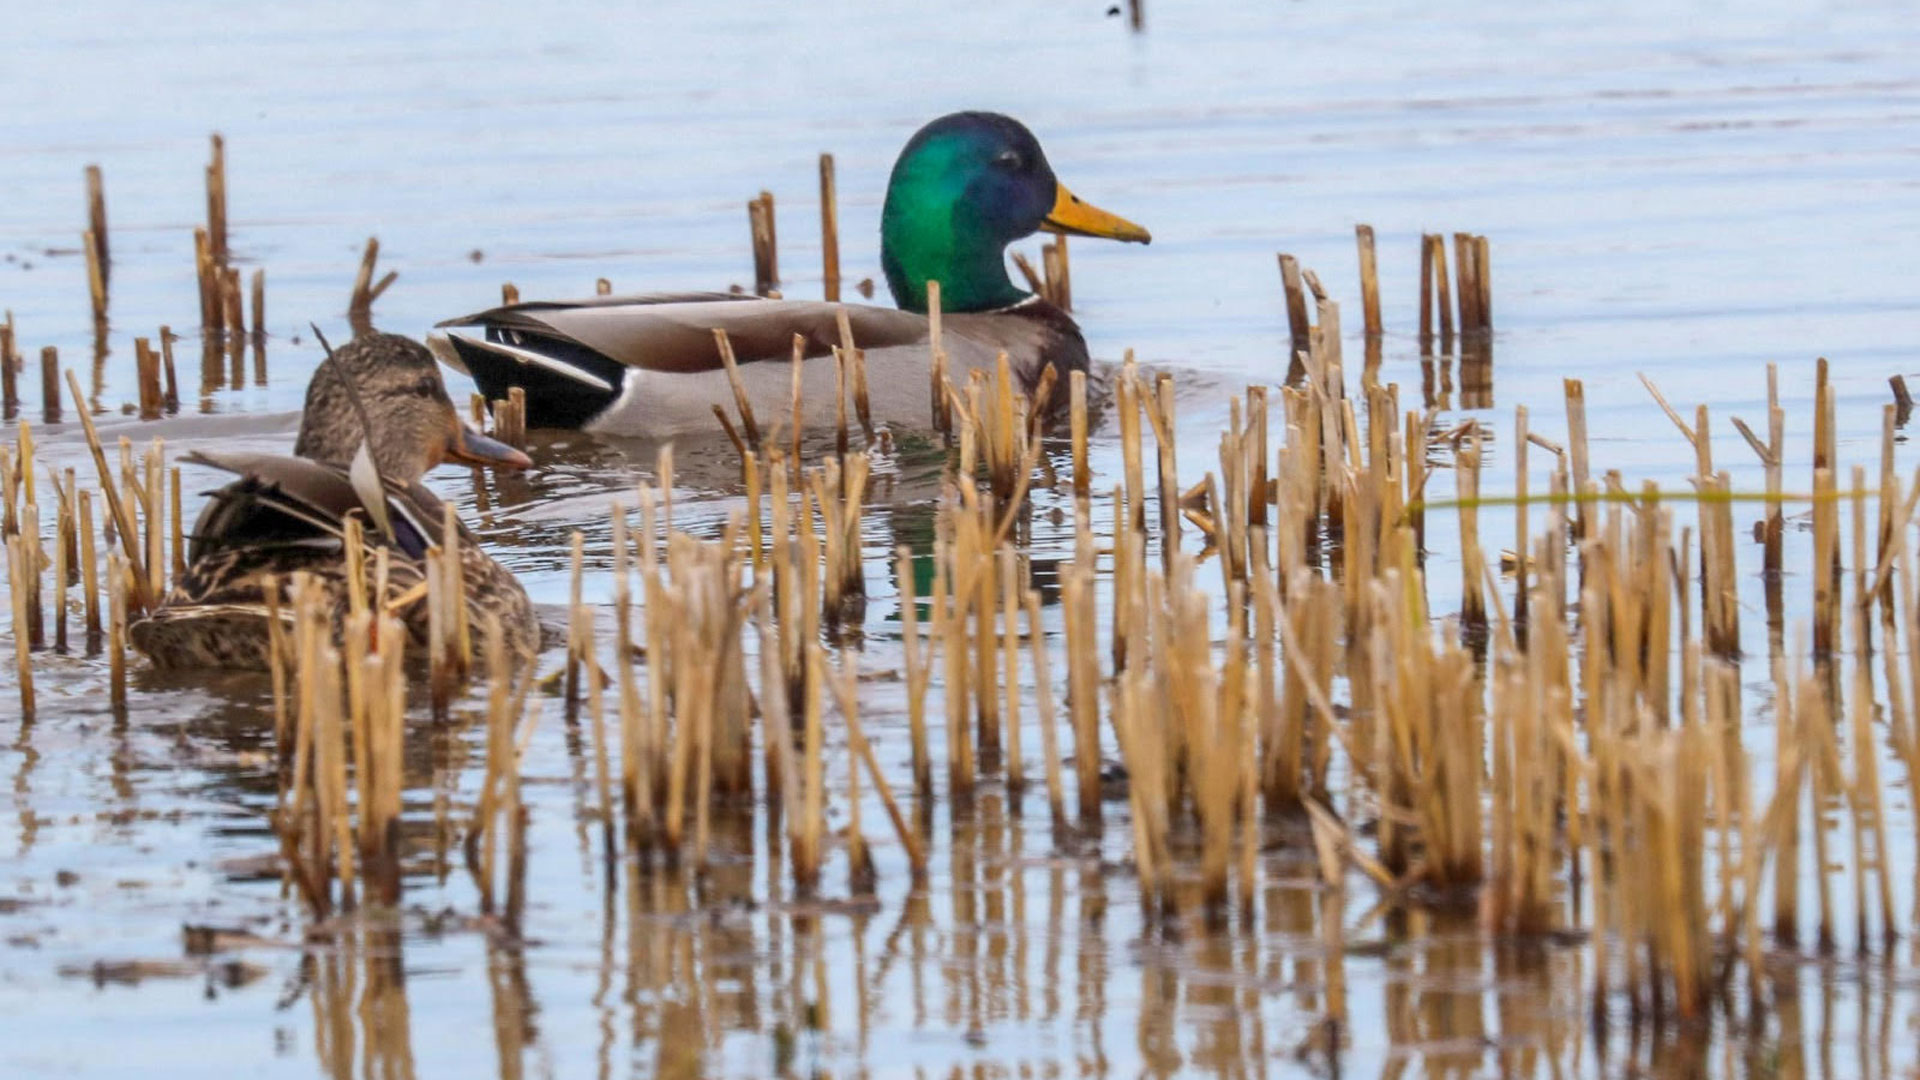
(966, 186)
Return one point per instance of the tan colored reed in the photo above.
(9, 379)
(1299, 326)
(766, 260)
(829, 233)
(121, 519)
(97, 220)
(18, 556)
(1369, 280)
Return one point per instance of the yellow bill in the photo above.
(1072, 215)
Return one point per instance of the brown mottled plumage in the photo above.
(287, 515)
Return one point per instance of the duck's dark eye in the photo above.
(1009, 159)
(426, 386)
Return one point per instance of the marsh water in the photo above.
(1687, 190)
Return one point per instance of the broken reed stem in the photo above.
(19, 557)
(152, 399)
(916, 663)
(1057, 280)
(99, 252)
(259, 297)
(748, 423)
(49, 384)
(96, 277)
(89, 573)
(1426, 294)
(1043, 701)
(1009, 606)
(9, 381)
(365, 290)
(1299, 327)
(217, 200)
(206, 273)
(1369, 280)
(829, 233)
(64, 552)
(119, 575)
(589, 657)
(1466, 278)
(1077, 421)
(122, 521)
(846, 691)
(1443, 288)
(172, 377)
(1159, 410)
(807, 830)
(766, 262)
(578, 617)
(1473, 611)
(1083, 675)
(510, 418)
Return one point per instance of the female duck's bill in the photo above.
(964, 187)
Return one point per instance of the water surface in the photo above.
(1690, 191)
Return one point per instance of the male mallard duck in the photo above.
(288, 514)
(965, 187)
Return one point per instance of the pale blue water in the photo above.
(1687, 190)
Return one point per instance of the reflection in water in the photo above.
(1470, 371)
(213, 372)
(356, 986)
(1026, 953)
(514, 1030)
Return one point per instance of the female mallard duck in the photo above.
(287, 515)
(965, 187)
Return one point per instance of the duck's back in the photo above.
(651, 365)
(286, 516)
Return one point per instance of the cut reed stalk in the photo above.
(1466, 271)
(119, 575)
(217, 200)
(1369, 280)
(766, 264)
(1159, 410)
(89, 583)
(917, 661)
(96, 277)
(829, 233)
(1083, 676)
(587, 655)
(152, 400)
(806, 830)
(1058, 267)
(748, 423)
(63, 556)
(1443, 288)
(18, 556)
(1466, 464)
(1009, 606)
(1299, 327)
(939, 391)
(846, 691)
(9, 379)
(97, 221)
(122, 522)
(154, 495)
(49, 384)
